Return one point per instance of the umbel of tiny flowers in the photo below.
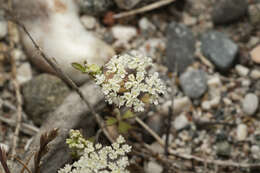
(125, 80)
(96, 158)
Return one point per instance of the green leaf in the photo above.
(123, 127)
(93, 68)
(128, 114)
(79, 67)
(111, 120)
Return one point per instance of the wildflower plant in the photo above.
(95, 158)
(125, 80)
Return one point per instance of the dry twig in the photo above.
(16, 85)
(25, 128)
(24, 165)
(150, 7)
(3, 160)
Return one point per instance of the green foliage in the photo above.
(121, 121)
(91, 69)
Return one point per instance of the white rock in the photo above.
(180, 122)
(206, 105)
(124, 33)
(145, 24)
(24, 73)
(250, 104)
(89, 22)
(5, 147)
(241, 132)
(189, 20)
(214, 82)
(255, 74)
(242, 70)
(227, 101)
(180, 105)
(3, 28)
(255, 150)
(153, 167)
(215, 101)
(156, 147)
(56, 27)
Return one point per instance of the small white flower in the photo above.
(100, 159)
(128, 80)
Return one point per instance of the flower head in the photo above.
(96, 158)
(125, 80)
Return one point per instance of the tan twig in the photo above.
(25, 128)
(52, 62)
(16, 86)
(148, 129)
(24, 165)
(150, 7)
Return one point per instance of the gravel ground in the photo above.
(215, 46)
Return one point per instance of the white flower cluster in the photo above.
(125, 81)
(99, 159)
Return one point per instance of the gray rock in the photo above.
(180, 47)
(42, 95)
(250, 104)
(227, 11)
(219, 49)
(194, 83)
(126, 4)
(180, 122)
(94, 7)
(223, 148)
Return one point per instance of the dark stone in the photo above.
(227, 11)
(194, 83)
(219, 49)
(42, 95)
(180, 47)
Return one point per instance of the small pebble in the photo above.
(223, 148)
(219, 49)
(124, 33)
(3, 28)
(145, 24)
(255, 74)
(180, 122)
(88, 22)
(206, 105)
(255, 54)
(255, 150)
(194, 83)
(180, 105)
(189, 20)
(214, 82)
(242, 70)
(153, 167)
(250, 104)
(241, 132)
(24, 73)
